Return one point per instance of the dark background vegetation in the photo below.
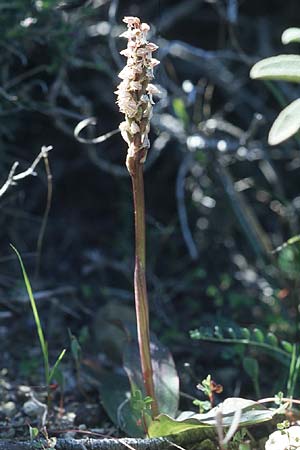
(218, 198)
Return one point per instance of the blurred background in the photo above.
(219, 200)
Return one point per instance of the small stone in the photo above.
(288, 439)
(8, 434)
(32, 409)
(24, 390)
(8, 409)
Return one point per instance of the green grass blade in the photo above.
(58, 361)
(36, 316)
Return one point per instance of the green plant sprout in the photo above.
(49, 372)
(285, 68)
(141, 407)
(209, 388)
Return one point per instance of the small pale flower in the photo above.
(152, 89)
(151, 46)
(135, 90)
(131, 21)
(153, 62)
(134, 128)
(145, 27)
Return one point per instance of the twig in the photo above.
(163, 443)
(183, 219)
(13, 178)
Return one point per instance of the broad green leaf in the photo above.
(286, 124)
(290, 35)
(251, 414)
(281, 67)
(115, 397)
(165, 377)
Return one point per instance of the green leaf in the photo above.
(286, 124)
(281, 67)
(165, 377)
(33, 432)
(289, 261)
(57, 363)
(231, 332)
(251, 367)
(272, 339)
(180, 111)
(288, 347)
(251, 413)
(115, 396)
(290, 35)
(258, 335)
(245, 333)
(43, 343)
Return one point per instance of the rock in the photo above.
(288, 439)
(8, 409)
(33, 409)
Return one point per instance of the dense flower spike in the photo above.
(135, 90)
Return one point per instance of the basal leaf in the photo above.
(281, 67)
(165, 377)
(115, 398)
(251, 414)
(286, 124)
(290, 35)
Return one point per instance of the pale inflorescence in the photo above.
(135, 90)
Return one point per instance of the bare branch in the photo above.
(163, 443)
(13, 177)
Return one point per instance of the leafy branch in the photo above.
(255, 338)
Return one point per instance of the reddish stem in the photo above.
(140, 287)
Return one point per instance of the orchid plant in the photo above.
(134, 98)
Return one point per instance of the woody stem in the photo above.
(140, 287)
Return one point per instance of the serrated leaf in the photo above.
(286, 124)
(281, 67)
(258, 335)
(290, 35)
(251, 413)
(287, 346)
